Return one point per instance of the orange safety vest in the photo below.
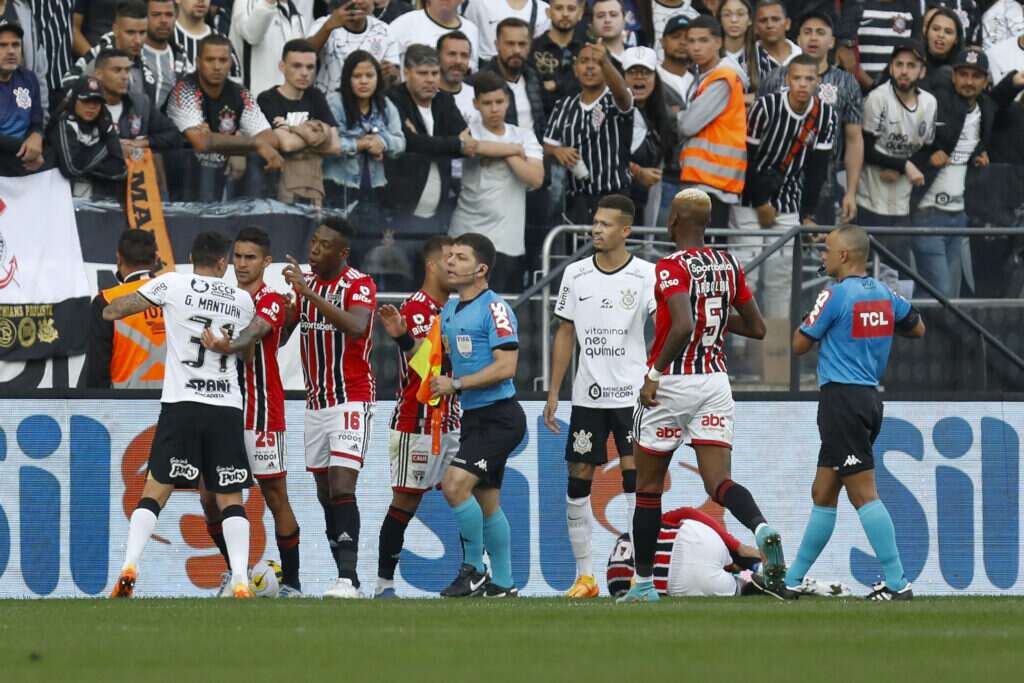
(717, 156)
(140, 344)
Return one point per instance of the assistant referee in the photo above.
(854, 320)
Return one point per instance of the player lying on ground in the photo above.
(697, 287)
(854, 320)
(697, 557)
(200, 430)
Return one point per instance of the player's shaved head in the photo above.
(854, 241)
(691, 211)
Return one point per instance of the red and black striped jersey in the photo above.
(714, 281)
(260, 378)
(336, 367)
(411, 416)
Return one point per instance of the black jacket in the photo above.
(140, 118)
(1008, 138)
(407, 175)
(535, 93)
(84, 150)
(950, 117)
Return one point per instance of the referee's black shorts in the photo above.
(588, 434)
(849, 419)
(488, 436)
(196, 440)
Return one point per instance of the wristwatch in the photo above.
(457, 385)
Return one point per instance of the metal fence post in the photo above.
(794, 309)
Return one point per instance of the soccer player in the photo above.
(854, 321)
(199, 433)
(696, 289)
(335, 305)
(415, 469)
(603, 304)
(263, 403)
(480, 332)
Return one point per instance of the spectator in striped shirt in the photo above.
(55, 38)
(190, 29)
(591, 134)
(883, 24)
(790, 135)
(773, 48)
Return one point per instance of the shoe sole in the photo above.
(773, 554)
(585, 596)
(767, 589)
(125, 587)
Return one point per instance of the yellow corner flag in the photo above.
(426, 363)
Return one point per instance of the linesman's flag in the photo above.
(426, 363)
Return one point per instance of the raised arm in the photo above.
(354, 323)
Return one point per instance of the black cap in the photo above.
(971, 59)
(87, 88)
(6, 25)
(908, 45)
(678, 22)
(816, 14)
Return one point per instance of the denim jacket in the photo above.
(346, 169)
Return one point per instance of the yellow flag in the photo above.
(426, 362)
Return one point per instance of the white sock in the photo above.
(384, 583)
(580, 519)
(139, 530)
(630, 509)
(236, 537)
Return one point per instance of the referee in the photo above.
(854, 320)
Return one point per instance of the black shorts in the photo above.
(588, 434)
(488, 437)
(849, 419)
(196, 440)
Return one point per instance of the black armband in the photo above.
(909, 321)
(405, 342)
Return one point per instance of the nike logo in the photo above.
(473, 586)
(584, 298)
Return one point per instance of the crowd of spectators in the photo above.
(508, 117)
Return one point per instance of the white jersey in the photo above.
(192, 303)
(900, 132)
(608, 311)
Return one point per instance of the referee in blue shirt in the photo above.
(854, 321)
(480, 334)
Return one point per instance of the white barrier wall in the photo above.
(71, 472)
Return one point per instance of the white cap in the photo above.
(640, 56)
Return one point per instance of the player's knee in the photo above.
(405, 501)
(342, 481)
(579, 488)
(276, 495)
(858, 499)
(824, 496)
(581, 470)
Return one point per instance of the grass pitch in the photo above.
(529, 640)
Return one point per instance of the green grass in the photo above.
(528, 640)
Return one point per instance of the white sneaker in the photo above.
(343, 589)
(225, 585)
(833, 589)
(287, 591)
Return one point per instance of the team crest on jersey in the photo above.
(200, 286)
(464, 344)
(829, 93)
(135, 125)
(899, 24)
(922, 128)
(183, 469)
(23, 98)
(628, 299)
(582, 442)
(227, 122)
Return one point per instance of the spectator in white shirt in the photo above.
(349, 27)
(493, 197)
(1002, 21)
(425, 26)
(259, 31)
(487, 14)
(455, 52)
(1005, 57)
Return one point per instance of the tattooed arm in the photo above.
(126, 305)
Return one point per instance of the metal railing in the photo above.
(782, 237)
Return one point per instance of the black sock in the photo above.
(646, 525)
(346, 526)
(737, 500)
(392, 536)
(629, 481)
(288, 546)
(330, 531)
(217, 534)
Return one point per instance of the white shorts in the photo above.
(268, 453)
(699, 558)
(338, 436)
(697, 410)
(414, 469)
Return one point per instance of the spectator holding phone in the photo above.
(350, 27)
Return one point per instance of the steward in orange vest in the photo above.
(127, 353)
(714, 124)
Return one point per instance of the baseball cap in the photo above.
(640, 56)
(908, 45)
(6, 25)
(971, 59)
(87, 88)
(675, 23)
(816, 14)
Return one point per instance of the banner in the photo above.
(44, 293)
(71, 473)
(144, 208)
